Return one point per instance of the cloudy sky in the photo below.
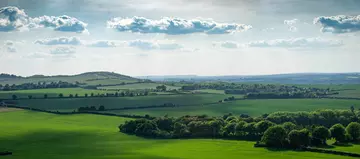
(179, 37)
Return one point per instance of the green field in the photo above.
(250, 107)
(34, 135)
(54, 92)
(138, 86)
(70, 104)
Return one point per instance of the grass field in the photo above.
(250, 107)
(138, 86)
(53, 92)
(34, 135)
(210, 91)
(70, 104)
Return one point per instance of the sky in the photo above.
(179, 37)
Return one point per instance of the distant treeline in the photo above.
(280, 129)
(39, 85)
(262, 90)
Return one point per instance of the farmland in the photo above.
(41, 135)
(250, 107)
(137, 86)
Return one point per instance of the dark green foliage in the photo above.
(101, 108)
(299, 138)
(14, 97)
(45, 96)
(319, 135)
(275, 137)
(338, 132)
(161, 88)
(86, 109)
(30, 96)
(39, 85)
(353, 129)
(262, 126)
(288, 126)
(61, 95)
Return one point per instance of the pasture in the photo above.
(35, 135)
(250, 107)
(70, 104)
(137, 86)
(53, 92)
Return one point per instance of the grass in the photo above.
(250, 107)
(210, 91)
(53, 92)
(138, 86)
(34, 135)
(70, 104)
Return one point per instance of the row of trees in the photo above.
(91, 108)
(278, 133)
(277, 136)
(285, 95)
(39, 85)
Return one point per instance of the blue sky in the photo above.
(161, 37)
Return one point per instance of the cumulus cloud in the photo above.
(63, 51)
(13, 18)
(60, 41)
(102, 43)
(174, 26)
(339, 24)
(227, 44)
(291, 24)
(152, 45)
(296, 43)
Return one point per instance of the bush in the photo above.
(338, 132)
(299, 138)
(319, 135)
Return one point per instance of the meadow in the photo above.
(70, 104)
(35, 135)
(53, 92)
(249, 107)
(137, 86)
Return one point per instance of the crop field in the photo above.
(35, 135)
(138, 86)
(70, 104)
(250, 107)
(53, 92)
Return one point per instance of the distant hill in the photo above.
(296, 78)
(88, 78)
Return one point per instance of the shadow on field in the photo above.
(70, 144)
(277, 149)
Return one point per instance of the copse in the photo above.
(319, 135)
(353, 129)
(338, 132)
(275, 137)
(299, 138)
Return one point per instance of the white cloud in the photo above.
(152, 45)
(38, 55)
(60, 41)
(227, 44)
(296, 43)
(102, 43)
(339, 24)
(291, 24)
(13, 19)
(63, 51)
(174, 26)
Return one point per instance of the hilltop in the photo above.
(87, 78)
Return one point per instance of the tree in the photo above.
(161, 88)
(61, 95)
(76, 95)
(338, 132)
(92, 94)
(262, 126)
(288, 126)
(86, 95)
(319, 135)
(275, 136)
(45, 96)
(14, 97)
(299, 138)
(101, 108)
(30, 96)
(71, 96)
(353, 129)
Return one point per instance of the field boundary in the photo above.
(341, 153)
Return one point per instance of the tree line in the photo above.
(280, 129)
(39, 85)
